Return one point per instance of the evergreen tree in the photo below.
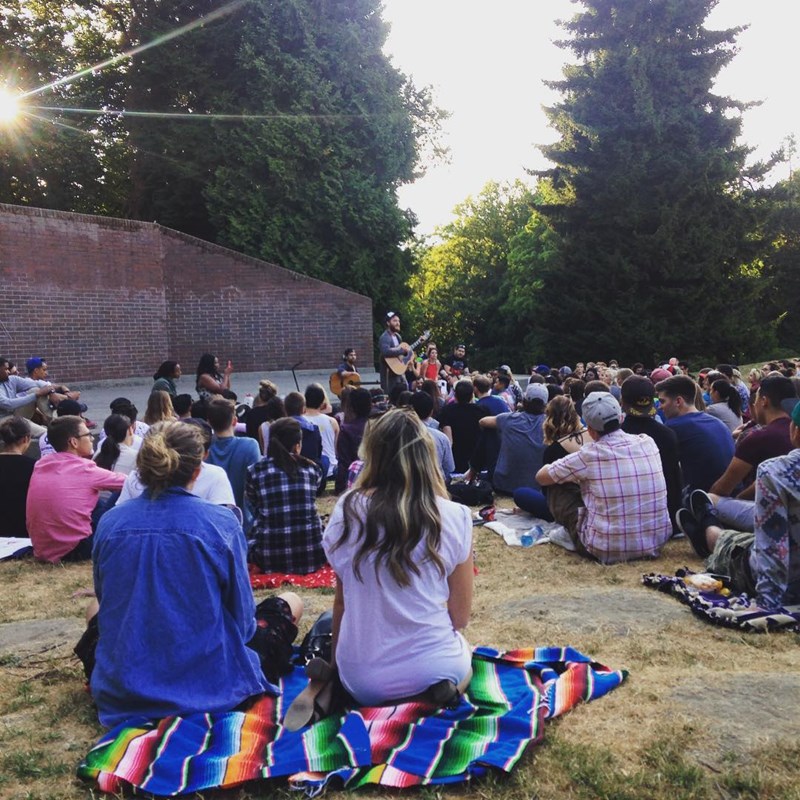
(656, 253)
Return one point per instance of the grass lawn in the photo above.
(706, 712)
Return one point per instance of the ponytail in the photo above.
(729, 394)
(116, 428)
(284, 435)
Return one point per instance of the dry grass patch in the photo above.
(651, 738)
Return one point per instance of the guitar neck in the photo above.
(424, 338)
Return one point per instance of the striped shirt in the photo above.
(625, 494)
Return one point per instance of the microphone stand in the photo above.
(294, 367)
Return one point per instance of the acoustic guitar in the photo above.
(339, 380)
(397, 364)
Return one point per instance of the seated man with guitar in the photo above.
(395, 353)
(346, 373)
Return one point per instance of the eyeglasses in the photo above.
(81, 435)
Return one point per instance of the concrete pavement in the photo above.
(98, 394)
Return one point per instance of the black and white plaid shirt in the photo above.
(287, 532)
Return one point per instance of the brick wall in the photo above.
(105, 298)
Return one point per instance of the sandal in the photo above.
(314, 702)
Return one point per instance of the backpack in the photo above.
(479, 493)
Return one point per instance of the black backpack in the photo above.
(479, 493)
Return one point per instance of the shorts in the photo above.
(272, 640)
(731, 557)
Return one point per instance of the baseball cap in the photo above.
(33, 363)
(536, 391)
(600, 408)
(796, 414)
(390, 314)
(637, 394)
(542, 369)
(660, 374)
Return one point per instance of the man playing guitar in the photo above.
(349, 362)
(395, 353)
(346, 373)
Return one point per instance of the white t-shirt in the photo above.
(328, 438)
(126, 462)
(212, 484)
(139, 430)
(397, 641)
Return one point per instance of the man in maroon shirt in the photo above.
(733, 493)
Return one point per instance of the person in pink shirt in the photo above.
(63, 492)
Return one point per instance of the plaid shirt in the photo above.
(287, 532)
(623, 488)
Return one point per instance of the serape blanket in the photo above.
(324, 577)
(731, 611)
(509, 698)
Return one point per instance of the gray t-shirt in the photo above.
(521, 450)
(723, 413)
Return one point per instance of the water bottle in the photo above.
(531, 536)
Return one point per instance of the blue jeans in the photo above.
(534, 502)
(736, 514)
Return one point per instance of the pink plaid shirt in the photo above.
(623, 488)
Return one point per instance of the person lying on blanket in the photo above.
(764, 564)
(402, 554)
(177, 630)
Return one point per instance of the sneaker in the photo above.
(700, 503)
(691, 527)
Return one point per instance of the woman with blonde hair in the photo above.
(402, 553)
(176, 630)
(563, 434)
(159, 408)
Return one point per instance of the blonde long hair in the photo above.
(399, 487)
(159, 408)
(561, 419)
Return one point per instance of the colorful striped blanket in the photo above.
(731, 611)
(503, 711)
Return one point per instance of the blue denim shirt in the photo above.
(176, 610)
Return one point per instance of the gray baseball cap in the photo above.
(600, 408)
(536, 391)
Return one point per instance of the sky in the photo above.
(487, 61)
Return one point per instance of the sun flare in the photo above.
(9, 106)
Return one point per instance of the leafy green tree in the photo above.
(461, 290)
(313, 187)
(47, 157)
(782, 262)
(279, 129)
(657, 228)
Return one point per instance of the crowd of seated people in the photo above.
(622, 457)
